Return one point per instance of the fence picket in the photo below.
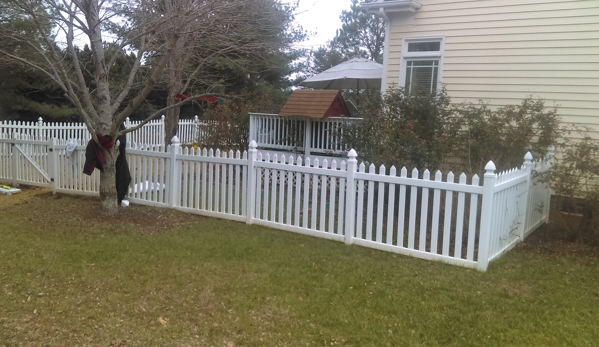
(436, 211)
(289, 192)
(185, 181)
(266, 189)
(332, 198)
(401, 209)
(360, 206)
(196, 179)
(459, 229)
(323, 198)
(370, 203)
(341, 206)
(237, 183)
(223, 185)
(210, 202)
(273, 191)
(380, 206)
(217, 185)
(447, 217)
(281, 175)
(424, 213)
(390, 207)
(412, 221)
(314, 216)
(204, 179)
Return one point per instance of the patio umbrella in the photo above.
(355, 73)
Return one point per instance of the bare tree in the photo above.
(241, 37)
(153, 30)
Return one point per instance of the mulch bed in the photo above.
(553, 238)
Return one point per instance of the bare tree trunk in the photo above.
(108, 194)
(171, 121)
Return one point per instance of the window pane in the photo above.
(421, 76)
(424, 46)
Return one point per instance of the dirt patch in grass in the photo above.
(552, 239)
(46, 207)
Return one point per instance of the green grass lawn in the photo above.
(157, 277)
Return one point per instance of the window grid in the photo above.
(419, 69)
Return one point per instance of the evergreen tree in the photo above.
(362, 35)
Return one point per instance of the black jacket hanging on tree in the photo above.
(94, 159)
(123, 176)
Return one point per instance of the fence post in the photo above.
(527, 167)
(251, 183)
(127, 126)
(163, 131)
(40, 125)
(486, 215)
(307, 137)
(53, 164)
(194, 132)
(253, 136)
(350, 197)
(175, 171)
(15, 159)
(550, 162)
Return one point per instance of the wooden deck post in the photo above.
(307, 137)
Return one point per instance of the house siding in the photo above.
(503, 51)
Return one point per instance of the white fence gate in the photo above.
(413, 213)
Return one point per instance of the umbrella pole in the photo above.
(358, 94)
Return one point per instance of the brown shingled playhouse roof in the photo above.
(315, 104)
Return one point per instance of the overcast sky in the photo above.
(322, 17)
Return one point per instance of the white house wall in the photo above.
(505, 50)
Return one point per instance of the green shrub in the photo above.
(504, 134)
(416, 131)
(427, 132)
(575, 180)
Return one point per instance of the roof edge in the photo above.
(382, 7)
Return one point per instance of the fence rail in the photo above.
(421, 214)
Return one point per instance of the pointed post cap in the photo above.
(175, 140)
(528, 157)
(195, 118)
(352, 154)
(253, 144)
(40, 119)
(490, 167)
(162, 117)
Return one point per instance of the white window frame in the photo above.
(413, 56)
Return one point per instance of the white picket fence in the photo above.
(324, 136)
(462, 223)
(190, 130)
